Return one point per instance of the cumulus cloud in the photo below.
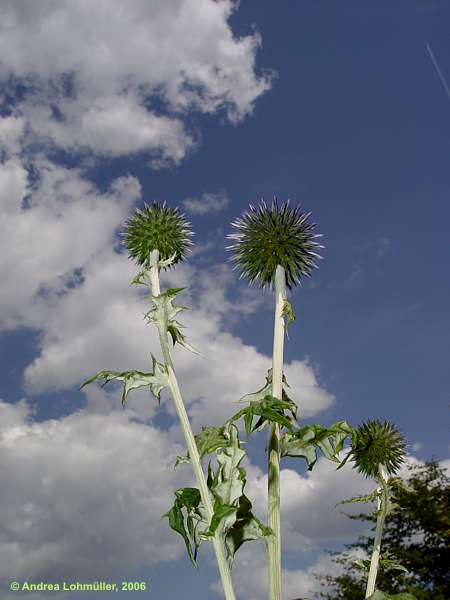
(66, 222)
(99, 324)
(120, 78)
(207, 203)
(75, 503)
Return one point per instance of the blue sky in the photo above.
(211, 106)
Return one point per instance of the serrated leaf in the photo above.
(167, 261)
(163, 314)
(308, 440)
(362, 564)
(288, 312)
(232, 509)
(187, 517)
(208, 440)
(177, 336)
(157, 380)
(379, 595)
(245, 528)
(266, 389)
(181, 460)
(268, 409)
(138, 277)
(372, 497)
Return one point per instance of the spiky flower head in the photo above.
(157, 227)
(378, 444)
(267, 237)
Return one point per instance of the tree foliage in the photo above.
(416, 534)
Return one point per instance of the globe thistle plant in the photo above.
(378, 450)
(275, 247)
(268, 237)
(157, 227)
(158, 237)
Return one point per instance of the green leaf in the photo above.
(308, 440)
(208, 441)
(362, 564)
(379, 595)
(269, 409)
(266, 389)
(157, 380)
(372, 497)
(167, 261)
(138, 277)
(389, 561)
(288, 312)
(163, 314)
(187, 517)
(245, 528)
(232, 509)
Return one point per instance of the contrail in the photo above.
(438, 70)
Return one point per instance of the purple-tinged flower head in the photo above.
(279, 235)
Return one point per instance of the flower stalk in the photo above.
(189, 436)
(378, 451)
(382, 508)
(274, 541)
(275, 246)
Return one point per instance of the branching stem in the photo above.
(189, 437)
(274, 541)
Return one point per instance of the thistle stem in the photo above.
(189, 437)
(382, 511)
(274, 541)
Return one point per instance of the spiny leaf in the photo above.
(208, 441)
(232, 509)
(387, 564)
(266, 389)
(288, 312)
(138, 277)
(157, 380)
(372, 497)
(187, 517)
(269, 409)
(163, 314)
(165, 263)
(362, 564)
(308, 440)
(232, 514)
(379, 595)
(245, 528)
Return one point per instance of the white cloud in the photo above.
(119, 78)
(79, 499)
(11, 133)
(207, 203)
(68, 222)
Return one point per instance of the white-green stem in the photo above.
(189, 437)
(274, 541)
(382, 511)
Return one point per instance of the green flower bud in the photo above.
(378, 443)
(267, 237)
(157, 227)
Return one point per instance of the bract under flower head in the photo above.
(267, 237)
(157, 227)
(378, 443)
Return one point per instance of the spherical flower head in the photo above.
(268, 237)
(157, 227)
(378, 444)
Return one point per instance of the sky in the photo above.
(342, 108)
